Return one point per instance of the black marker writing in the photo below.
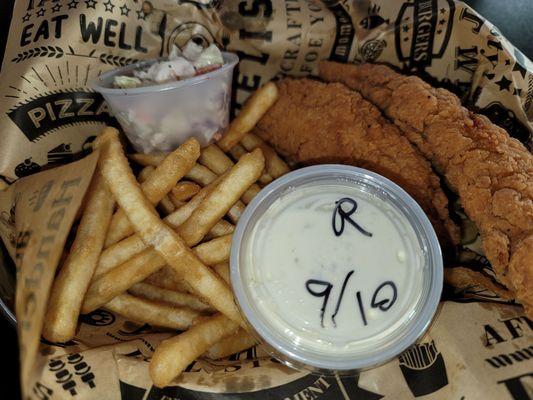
(325, 293)
(340, 216)
(386, 303)
(383, 297)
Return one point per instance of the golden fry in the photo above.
(121, 278)
(166, 278)
(152, 312)
(75, 275)
(155, 232)
(255, 107)
(215, 251)
(217, 161)
(222, 198)
(148, 159)
(179, 299)
(223, 270)
(157, 185)
(166, 205)
(184, 191)
(237, 152)
(201, 175)
(118, 253)
(173, 355)
(145, 173)
(236, 343)
(221, 228)
(275, 166)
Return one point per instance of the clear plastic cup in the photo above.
(160, 117)
(276, 303)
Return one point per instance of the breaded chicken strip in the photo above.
(491, 172)
(317, 123)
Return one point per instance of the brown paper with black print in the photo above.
(478, 346)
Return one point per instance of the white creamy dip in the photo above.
(333, 287)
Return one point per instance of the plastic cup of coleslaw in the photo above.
(160, 117)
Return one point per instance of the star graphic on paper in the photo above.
(507, 62)
(141, 14)
(56, 8)
(73, 4)
(517, 92)
(519, 68)
(40, 12)
(124, 10)
(26, 17)
(442, 22)
(405, 28)
(109, 6)
(504, 84)
(443, 11)
(91, 4)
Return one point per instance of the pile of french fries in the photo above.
(155, 247)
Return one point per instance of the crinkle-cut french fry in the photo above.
(167, 278)
(184, 190)
(215, 251)
(201, 175)
(217, 161)
(157, 184)
(166, 205)
(75, 275)
(152, 312)
(275, 166)
(179, 299)
(139, 267)
(226, 193)
(221, 228)
(173, 355)
(236, 343)
(222, 269)
(255, 107)
(238, 151)
(154, 232)
(121, 278)
(148, 159)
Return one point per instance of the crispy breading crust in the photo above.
(315, 122)
(491, 172)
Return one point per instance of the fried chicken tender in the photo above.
(491, 172)
(315, 123)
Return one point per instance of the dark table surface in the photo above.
(514, 18)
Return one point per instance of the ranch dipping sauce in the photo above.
(336, 268)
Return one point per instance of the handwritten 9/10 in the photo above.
(321, 288)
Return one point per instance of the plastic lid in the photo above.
(336, 268)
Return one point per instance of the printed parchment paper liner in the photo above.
(475, 349)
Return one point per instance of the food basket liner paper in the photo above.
(477, 348)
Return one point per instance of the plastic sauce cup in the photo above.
(162, 116)
(336, 269)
